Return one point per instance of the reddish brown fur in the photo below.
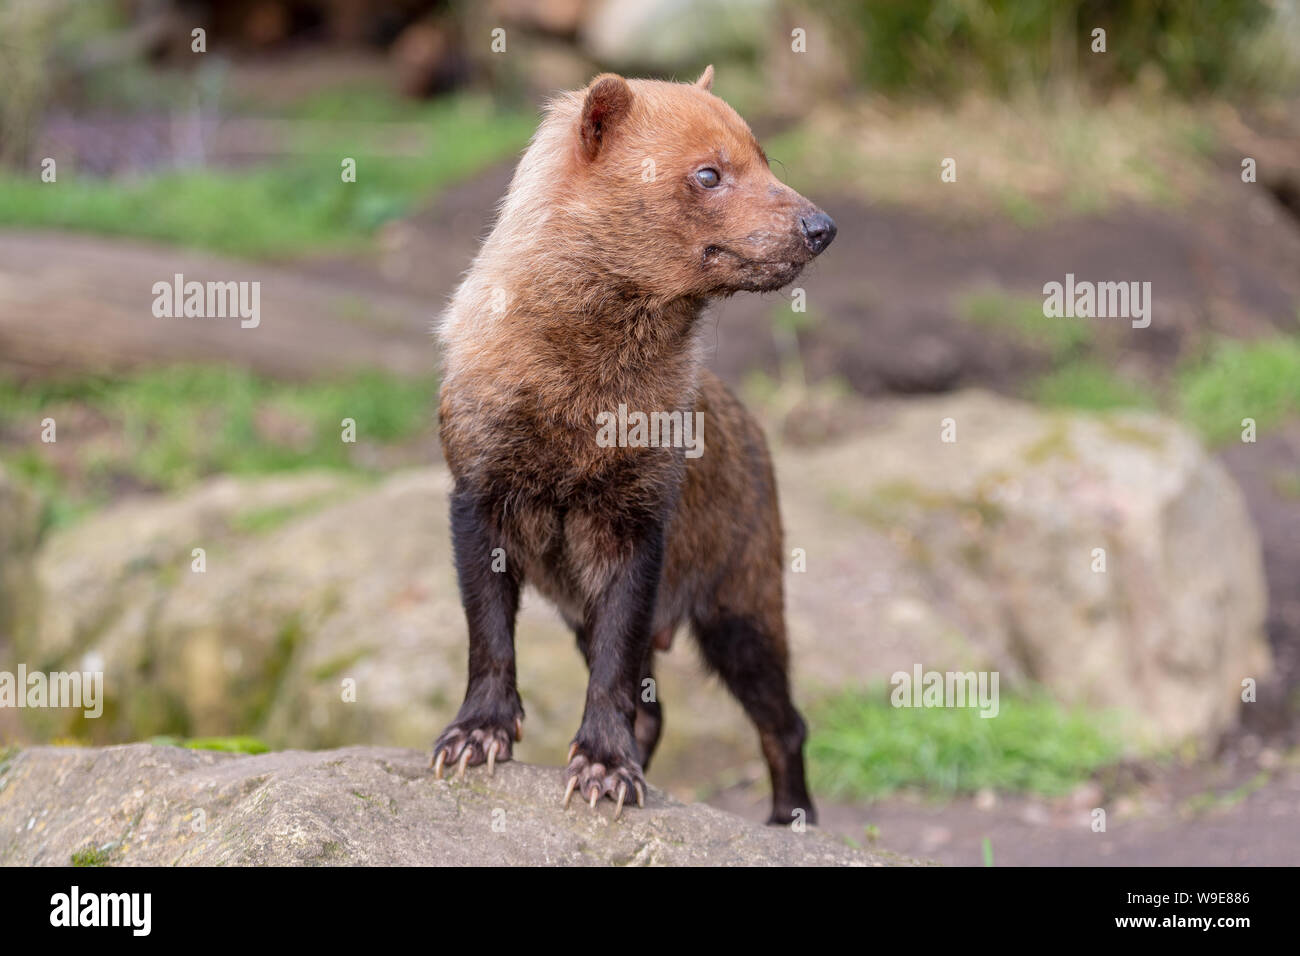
(586, 296)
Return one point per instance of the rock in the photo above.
(629, 35)
(365, 806)
(337, 621)
(120, 594)
(19, 530)
(20, 523)
(980, 554)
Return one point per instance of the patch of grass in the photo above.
(1259, 380)
(1022, 316)
(1209, 801)
(91, 856)
(164, 429)
(229, 745)
(289, 207)
(38, 473)
(862, 747)
(1088, 385)
(943, 47)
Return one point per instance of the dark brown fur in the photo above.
(587, 296)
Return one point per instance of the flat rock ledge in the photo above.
(144, 805)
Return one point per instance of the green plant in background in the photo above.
(288, 206)
(1259, 380)
(1022, 316)
(92, 856)
(166, 428)
(946, 46)
(1088, 385)
(863, 747)
(36, 42)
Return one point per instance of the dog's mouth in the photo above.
(752, 275)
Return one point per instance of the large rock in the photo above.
(982, 553)
(19, 531)
(667, 34)
(371, 806)
(328, 613)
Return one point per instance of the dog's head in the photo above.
(675, 195)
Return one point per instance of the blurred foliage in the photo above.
(946, 46)
(287, 206)
(164, 429)
(229, 745)
(1259, 380)
(863, 747)
(1033, 159)
(1212, 393)
(92, 856)
(1022, 317)
(40, 40)
(1091, 385)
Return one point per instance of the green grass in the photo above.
(1234, 381)
(1022, 317)
(289, 207)
(862, 747)
(946, 47)
(164, 429)
(1259, 380)
(90, 856)
(1088, 385)
(230, 745)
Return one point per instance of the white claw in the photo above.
(492, 757)
(464, 762)
(438, 762)
(622, 792)
(568, 791)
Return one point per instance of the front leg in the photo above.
(603, 759)
(492, 715)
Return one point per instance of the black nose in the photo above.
(818, 231)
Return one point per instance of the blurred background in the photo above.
(1162, 684)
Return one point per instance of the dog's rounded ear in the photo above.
(705, 82)
(608, 100)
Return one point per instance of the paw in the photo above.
(610, 776)
(472, 741)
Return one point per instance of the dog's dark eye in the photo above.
(708, 178)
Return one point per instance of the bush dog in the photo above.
(636, 202)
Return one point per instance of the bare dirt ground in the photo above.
(1172, 821)
(888, 298)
